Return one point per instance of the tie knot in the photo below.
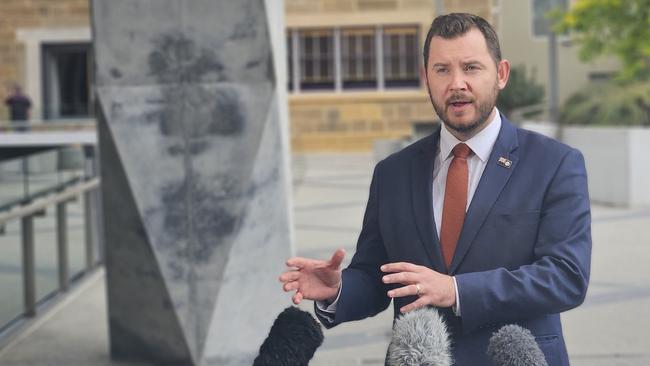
(461, 151)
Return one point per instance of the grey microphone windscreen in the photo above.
(419, 338)
(513, 345)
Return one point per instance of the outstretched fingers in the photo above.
(300, 262)
(310, 278)
(400, 267)
(291, 286)
(297, 298)
(409, 290)
(419, 303)
(405, 278)
(289, 276)
(337, 258)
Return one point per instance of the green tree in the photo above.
(521, 91)
(611, 27)
(609, 104)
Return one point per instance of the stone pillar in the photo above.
(195, 175)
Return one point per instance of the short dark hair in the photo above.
(454, 25)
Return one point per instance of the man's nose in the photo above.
(457, 82)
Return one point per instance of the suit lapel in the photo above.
(492, 181)
(422, 200)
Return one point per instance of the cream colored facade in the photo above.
(520, 46)
(25, 26)
(324, 120)
(349, 120)
(320, 120)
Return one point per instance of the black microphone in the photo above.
(292, 340)
(513, 345)
(420, 338)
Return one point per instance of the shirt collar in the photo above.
(481, 143)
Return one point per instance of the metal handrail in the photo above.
(26, 214)
(39, 204)
(7, 205)
(49, 125)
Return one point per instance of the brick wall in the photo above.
(479, 7)
(322, 122)
(17, 14)
(353, 122)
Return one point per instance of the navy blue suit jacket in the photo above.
(524, 251)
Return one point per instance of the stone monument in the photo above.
(195, 175)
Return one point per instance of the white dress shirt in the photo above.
(481, 144)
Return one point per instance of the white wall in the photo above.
(606, 152)
(639, 163)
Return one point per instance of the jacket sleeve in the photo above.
(557, 279)
(363, 293)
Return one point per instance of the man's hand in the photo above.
(433, 288)
(313, 279)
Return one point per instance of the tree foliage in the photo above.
(609, 104)
(611, 27)
(521, 91)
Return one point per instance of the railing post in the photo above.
(62, 245)
(29, 281)
(88, 230)
(90, 170)
(24, 167)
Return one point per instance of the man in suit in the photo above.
(485, 221)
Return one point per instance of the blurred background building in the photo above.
(45, 47)
(353, 65)
(353, 73)
(353, 80)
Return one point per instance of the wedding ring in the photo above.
(418, 290)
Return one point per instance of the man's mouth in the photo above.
(460, 103)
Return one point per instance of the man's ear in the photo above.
(423, 73)
(503, 73)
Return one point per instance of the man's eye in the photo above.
(441, 71)
(471, 67)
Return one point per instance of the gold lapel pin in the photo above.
(504, 162)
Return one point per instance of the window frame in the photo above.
(404, 80)
(363, 78)
(341, 80)
(54, 49)
(317, 57)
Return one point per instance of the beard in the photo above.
(484, 107)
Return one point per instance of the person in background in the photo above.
(19, 105)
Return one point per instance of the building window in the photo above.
(340, 59)
(358, 58)
(67, 76)
(401, 57)
(541, 24)
(316, 59)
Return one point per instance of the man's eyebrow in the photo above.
(473, 62)
(465, 63)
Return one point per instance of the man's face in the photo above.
(464, 82)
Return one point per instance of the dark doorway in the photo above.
(67, 81)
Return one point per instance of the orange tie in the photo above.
(453, 209)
